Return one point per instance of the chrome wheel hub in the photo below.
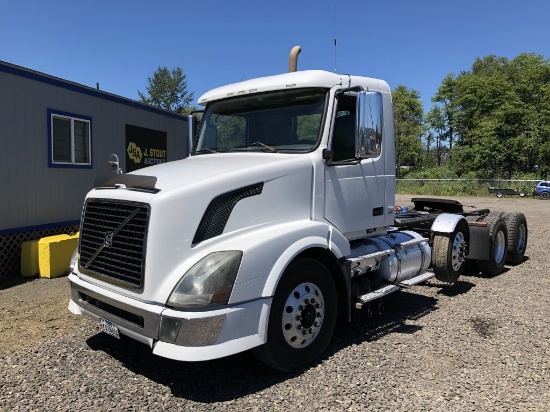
(303, 315)
(458, 251)
(499, 247)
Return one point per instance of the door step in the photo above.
(386, 290)
(417, 279)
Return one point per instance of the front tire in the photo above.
(498, 244)
(302, 317)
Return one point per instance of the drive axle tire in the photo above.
(516, 224)
(448, 254)
(302, 317)
(498, 244)
(545, 195)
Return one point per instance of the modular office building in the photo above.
(56, 137)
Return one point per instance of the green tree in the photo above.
(189, 109)
(446, 97)
(436, 122)
(408, 123)
(498, 113)
(167, 90)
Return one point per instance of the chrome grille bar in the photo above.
(113, 240)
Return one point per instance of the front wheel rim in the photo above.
(303, 315)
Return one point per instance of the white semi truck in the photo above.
(282, 218)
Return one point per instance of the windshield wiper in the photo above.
(271, 149)
(206, 150)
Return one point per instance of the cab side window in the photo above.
(343, 136)
(355, 135)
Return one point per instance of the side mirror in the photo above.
(368, 138)
(115, 164)
(194, 120)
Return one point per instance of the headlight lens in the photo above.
(208, 282)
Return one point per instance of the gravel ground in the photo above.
(480, 344)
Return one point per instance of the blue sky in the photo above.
(119, 43)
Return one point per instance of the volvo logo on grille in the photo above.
(108, 241)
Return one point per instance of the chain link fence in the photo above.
(10, 246)
(465, 187)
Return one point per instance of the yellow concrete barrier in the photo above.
(29, 258)
(48, 257)
(54, 255)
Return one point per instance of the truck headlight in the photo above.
(208, 282)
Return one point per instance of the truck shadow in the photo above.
(473, 271)
(479, 274)
(220, 380)
(392, 314)
(226, 379)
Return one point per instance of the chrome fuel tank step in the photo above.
(386, 290)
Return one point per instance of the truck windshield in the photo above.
(278, 121)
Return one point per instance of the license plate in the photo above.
(110, 328)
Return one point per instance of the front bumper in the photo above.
(175, 334)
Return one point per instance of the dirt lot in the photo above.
(479, 344)
(35, 310)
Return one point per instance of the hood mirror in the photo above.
(115, 164)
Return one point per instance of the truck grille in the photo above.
(113, 237)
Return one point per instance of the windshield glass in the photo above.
(279, 121)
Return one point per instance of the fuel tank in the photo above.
(393, 257)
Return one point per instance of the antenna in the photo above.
(334, 36)
(335, 55)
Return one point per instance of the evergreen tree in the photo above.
(167, 90)
(408, 125)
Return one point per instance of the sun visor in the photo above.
(131, 182)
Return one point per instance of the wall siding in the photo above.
(37, 194)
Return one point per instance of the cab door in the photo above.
(356, 176)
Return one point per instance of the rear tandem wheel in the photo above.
(516, 223)
(498, 244)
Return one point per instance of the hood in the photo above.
(206, 202)
(203, 204)
(202, 168)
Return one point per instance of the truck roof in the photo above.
(299, 79)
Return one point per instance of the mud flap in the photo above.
(479, 243)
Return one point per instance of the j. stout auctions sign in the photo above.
(144, 147)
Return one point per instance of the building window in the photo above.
(70, 140)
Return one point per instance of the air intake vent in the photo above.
(112, 241)
(218, 211)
